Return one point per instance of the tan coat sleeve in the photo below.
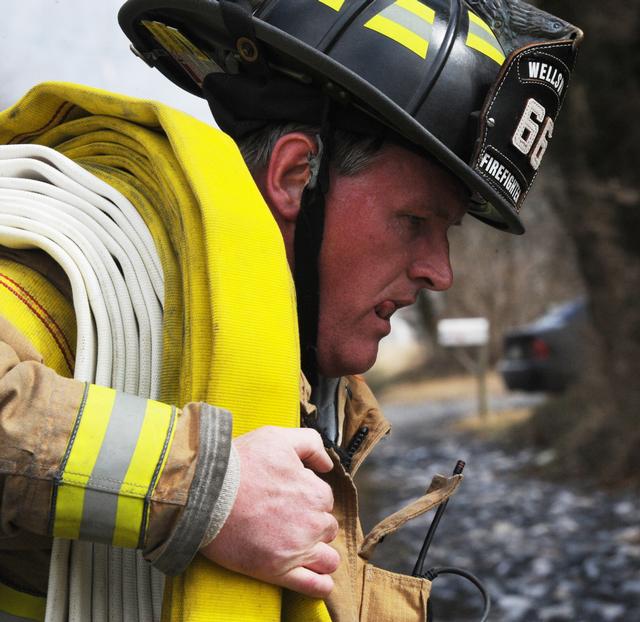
(37, 412)
(42, 416)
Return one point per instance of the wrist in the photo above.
(225, 500)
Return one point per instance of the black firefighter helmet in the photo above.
(477, 83)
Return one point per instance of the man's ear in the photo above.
(287, 175)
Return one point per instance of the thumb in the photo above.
(307, 582)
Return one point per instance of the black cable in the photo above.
(433, 573)
(419, 567)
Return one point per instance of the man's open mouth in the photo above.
(385, 309)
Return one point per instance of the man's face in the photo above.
(385, 239)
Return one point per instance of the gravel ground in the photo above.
(546, 551)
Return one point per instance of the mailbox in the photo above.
(471, 331)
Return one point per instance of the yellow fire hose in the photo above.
(229, 331)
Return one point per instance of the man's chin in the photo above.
(347, 363)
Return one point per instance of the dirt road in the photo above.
(548, 552)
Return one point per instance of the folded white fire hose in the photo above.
(99, 239)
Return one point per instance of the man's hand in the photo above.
(280, 525)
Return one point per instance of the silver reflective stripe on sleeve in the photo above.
(115, 456)
(100, 507)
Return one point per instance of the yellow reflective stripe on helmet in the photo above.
(407, 22)
(336, 5)
(84, 445)
(417, 8)
(481, 38)
(113, 461)
(18, 606)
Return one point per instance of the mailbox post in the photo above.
(462, 333)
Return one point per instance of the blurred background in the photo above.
(546, 413)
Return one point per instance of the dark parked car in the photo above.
(548, 354)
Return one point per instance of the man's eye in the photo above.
(415, 222)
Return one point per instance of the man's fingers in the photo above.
(308, 445)
(325, 559)
(308, 582)
(319, 493)
(331, 530)
(280, 525)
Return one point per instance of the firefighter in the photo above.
(369, 129)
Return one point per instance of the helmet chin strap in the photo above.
(307, 247)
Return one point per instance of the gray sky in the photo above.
(77, 41)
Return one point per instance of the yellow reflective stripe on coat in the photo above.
(216, 239)
(17, 606)
(115, 455)
(481, 38)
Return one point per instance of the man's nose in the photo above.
(432, 266)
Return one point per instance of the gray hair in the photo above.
(350, 153)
